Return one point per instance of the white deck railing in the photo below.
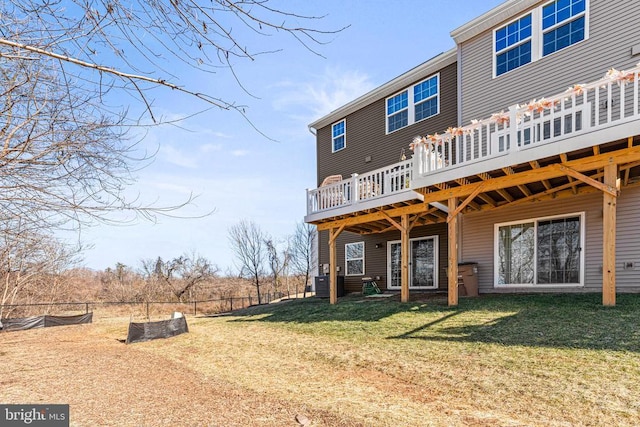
(609, 102)
(582, 109)
(371, 185)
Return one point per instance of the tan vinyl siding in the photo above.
(613, 31)
(628, 240)
(366, 134)
(376, 258)
(478, 239)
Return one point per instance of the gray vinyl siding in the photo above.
(478, 239)
(613, 31)
(366, 134)
(376, 258)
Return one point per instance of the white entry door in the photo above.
(423, 263)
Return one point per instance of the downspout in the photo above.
(316, 249)
(460, 100)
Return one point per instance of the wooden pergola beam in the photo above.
(333, 261)
(535, 165)
(609, 237)
(393, 222)
(404, 261)
(506, 196)
(469, 199)
(452, 265)
(627, 155)
(375, 216)
(588, 180)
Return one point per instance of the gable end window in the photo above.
(354, 258)
(540, 252)
(416, 103)
(541, 32)
(338, 136)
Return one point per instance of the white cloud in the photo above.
(239, 153)
(324, 93)
(210, 148)
(166, 186)
(176, 157)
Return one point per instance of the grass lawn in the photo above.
(546, 360)
(495, 360)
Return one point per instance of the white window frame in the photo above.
(496, 254)
(436, 249)
(537, 35)
(347, 259)
(411, 105)
(344, 135)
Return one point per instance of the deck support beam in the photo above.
(404, 251)
(333, 262)
(452, 269)
(609, 237)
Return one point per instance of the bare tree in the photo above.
(278, 262)
(65, 155)
(31, 265)
(303, 245)
(180, 275)
(119, 283)
(248, 244)
(143, 38)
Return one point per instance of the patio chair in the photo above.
(334, 197)
(331, 179)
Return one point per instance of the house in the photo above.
(518, 150)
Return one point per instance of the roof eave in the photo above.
(423, 70)
(494, 17)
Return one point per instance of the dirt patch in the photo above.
(108, 383)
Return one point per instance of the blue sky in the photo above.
(236, 171)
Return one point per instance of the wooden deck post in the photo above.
(609, 237)
(404, 252)
(452, 271)
(333, 261)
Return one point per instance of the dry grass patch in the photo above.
(508, 360)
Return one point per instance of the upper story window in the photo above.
(513, 45)
(398, 111)
(563, 24)
(338, 136)
(425, 98)
(541, 32)
(413, 104)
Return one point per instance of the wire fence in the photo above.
(141, 308)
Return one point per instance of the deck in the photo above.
(584, 116)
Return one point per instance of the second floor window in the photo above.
(513, 45)
(413, 104)
(563, 24)
(541, 32)
(398, 111)
(338, 136)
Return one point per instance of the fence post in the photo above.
(195, 308)
(148, 318)
(231, 301)
(86, 308)
(249, 299)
